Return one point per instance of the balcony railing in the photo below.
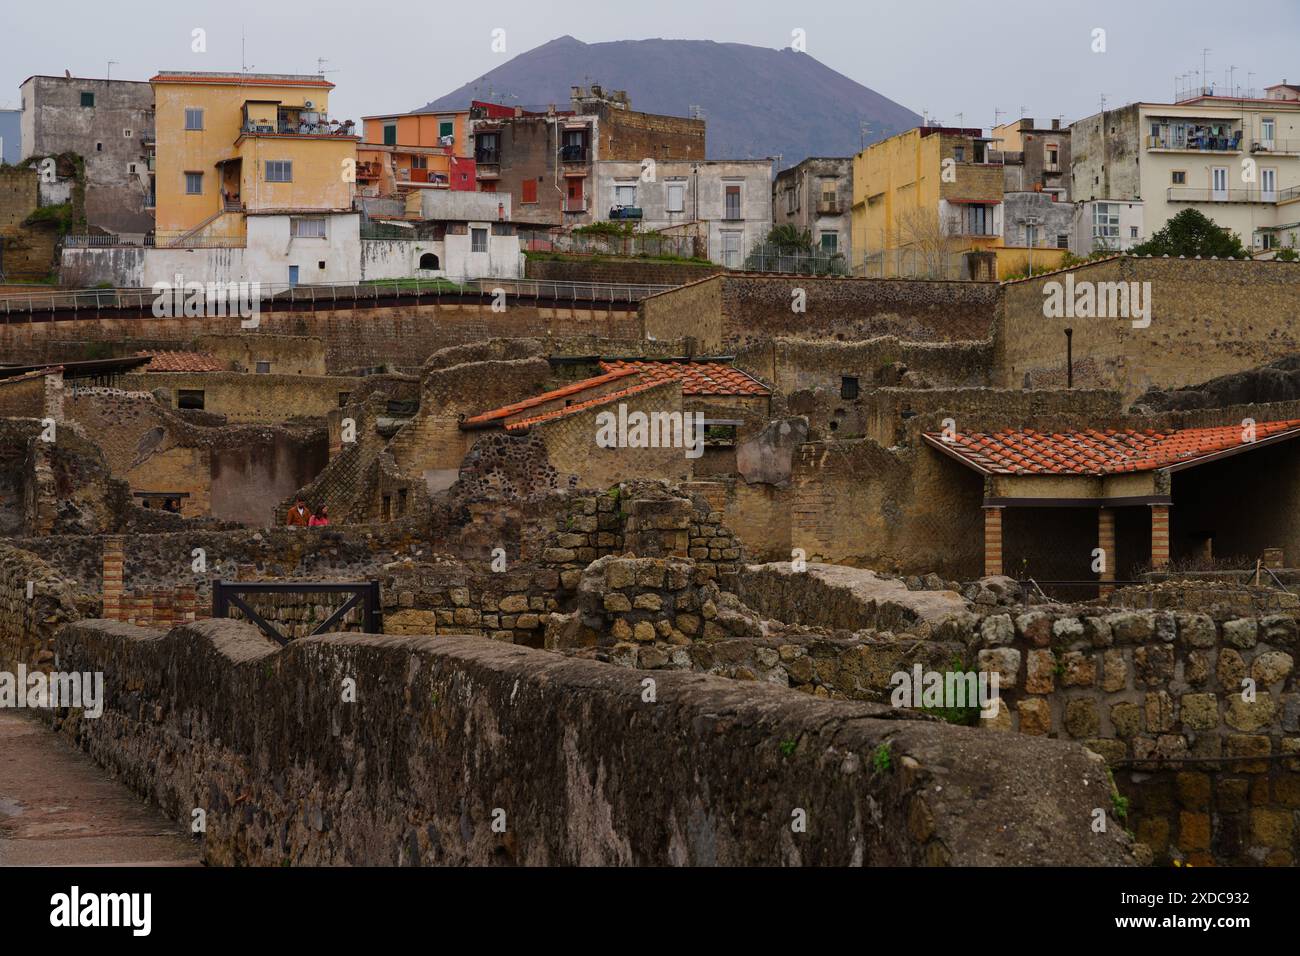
(1275, 146)
(487, 155)
(1204, 144)
(572, 153)
(828, 208)
(1192, 194)
(161, 240)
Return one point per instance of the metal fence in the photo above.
(632, 244)
(330, 295)
(770, 258)
(153, 241)
(910, 264)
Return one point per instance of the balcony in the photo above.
(828, 207)
(625, 212)
(1285, 146)
(489, 155)
(368, 170)
(576, 205)
(573, 153)
(1051, 167)
(1199, 143)
(1192, 194)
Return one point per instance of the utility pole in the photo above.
(111, 64)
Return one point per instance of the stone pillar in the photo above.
(114, 559)
(1159, 537)
(992, 541)
(54, 395)
(1106, 542)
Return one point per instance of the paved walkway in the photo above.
(59, 808)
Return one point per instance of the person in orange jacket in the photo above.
(299, 516)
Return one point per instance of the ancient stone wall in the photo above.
(630, 270)
(710, 772)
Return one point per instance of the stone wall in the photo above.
(244, 397)
(790, 364)
(742, 310)
(711, 772)
(34, 602)
(1198, 329)
(354, 337)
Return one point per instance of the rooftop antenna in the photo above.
(697, 111)
(1205, 58)
(1023, 111)
(320, 66)
(244, 65)
(1250, 83)
(864, 130)
(1231, 70)
(961, 119)
(1103, 102)
(111, 64)
(997, 116)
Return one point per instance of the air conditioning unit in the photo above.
(308, 104)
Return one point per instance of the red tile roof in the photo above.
(165, 361)
(505, 411)
(697, 378)
(1092, 452)
(580, 406)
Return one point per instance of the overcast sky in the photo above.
(947, 57)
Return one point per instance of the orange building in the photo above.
(408, 152)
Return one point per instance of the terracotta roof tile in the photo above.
(580, 406)
(165, 361)
(1091, 452)
(697, 378)
(576, 388)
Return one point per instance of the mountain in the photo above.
(757, 102)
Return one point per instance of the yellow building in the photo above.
(244, 158)
(923, 198)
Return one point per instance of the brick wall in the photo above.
(249, 397)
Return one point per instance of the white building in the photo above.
(727, 203)
(1236, 160)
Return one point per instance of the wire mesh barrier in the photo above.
(622, 244)
(911, 263)
(773, 258)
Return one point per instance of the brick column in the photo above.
(992, 541)
(113, 562)
(1159, 536)
(1106, 542)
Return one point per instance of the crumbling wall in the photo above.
(710, 772)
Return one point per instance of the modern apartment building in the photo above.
(816, 197)
(254, 161)
(1236, 160)
(110, 125)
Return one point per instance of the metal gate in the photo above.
(366, 593)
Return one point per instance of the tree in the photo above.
(1192, 233)
(930, 240)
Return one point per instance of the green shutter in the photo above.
(390, 134)
(446, 128)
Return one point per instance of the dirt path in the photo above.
(58, 808)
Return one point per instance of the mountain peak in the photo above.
(756, 102)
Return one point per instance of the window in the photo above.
(978, 220)
(390, 134)
(1062, 240)
(387, 508)
(401, 502)
(428, 261)
(1132, 232)
(1105, 220)
(502, 229)
(344, 398)
(848, 387)
(478, 240)
(676, 197)
(99, 147)
(419, 162)
(307, 227)
(959, 153)
(193, 184)
(1267, 128)
(830, 243)
(1051, 156)
(1178, 177)
(719, 434)
(193, 118)
(446, 128)
(530, 190)
(190, 398)
(279, 171)
(263, 368)
(1268, 185)
(126, 134)
(733, 203)
(87, 98)
(320, 264)
(1219, 183)
(625, 195)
